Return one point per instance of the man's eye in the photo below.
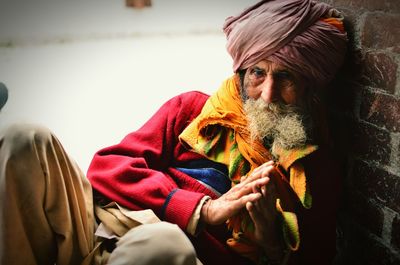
(257, 73)
(284, 76)
(285, 79)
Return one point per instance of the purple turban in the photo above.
(294, 33)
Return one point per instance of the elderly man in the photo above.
(246, 173)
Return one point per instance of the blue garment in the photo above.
(213, 175)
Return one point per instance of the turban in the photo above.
(305, 36)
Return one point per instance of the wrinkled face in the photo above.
(275, 106)
(274, 83)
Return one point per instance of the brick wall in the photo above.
(365, 112)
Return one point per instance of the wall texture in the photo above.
(365, 111)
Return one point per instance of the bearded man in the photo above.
(247, 173)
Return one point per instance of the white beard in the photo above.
(281, 124)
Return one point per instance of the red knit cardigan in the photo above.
(140, 173)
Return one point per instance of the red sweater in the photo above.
(141, 173)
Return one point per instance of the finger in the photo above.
(269, 162)
(247, 187)
(238, 202)
(255, 174)
(253, 182)
(249, 206)
(266, 164)
(253, 187)
(257, 205)
(264, 191)
(252, 197)
(255, 215)
(237, 205)
(258, 184)
(267, 171)
(266, 205)
(260, 172)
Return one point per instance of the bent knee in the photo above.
(21, 148)
(19, 139)
(21, 169)
(169, 234)
(159, 243)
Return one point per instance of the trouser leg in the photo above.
(46, 211)
(159, 243)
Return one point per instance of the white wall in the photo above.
(94, 70)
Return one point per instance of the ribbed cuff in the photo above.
(193, 226)
(180, 206)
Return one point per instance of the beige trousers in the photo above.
(46, 211)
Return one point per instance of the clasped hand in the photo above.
(257, 193)
(253, 192)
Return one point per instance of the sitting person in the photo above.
(244, 176)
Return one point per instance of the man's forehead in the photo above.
(270, 66)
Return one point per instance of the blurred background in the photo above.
(94, 70)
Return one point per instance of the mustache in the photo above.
(284, 125)
(277, 108)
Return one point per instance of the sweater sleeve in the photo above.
(136, 172)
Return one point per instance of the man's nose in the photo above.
(269, 89)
